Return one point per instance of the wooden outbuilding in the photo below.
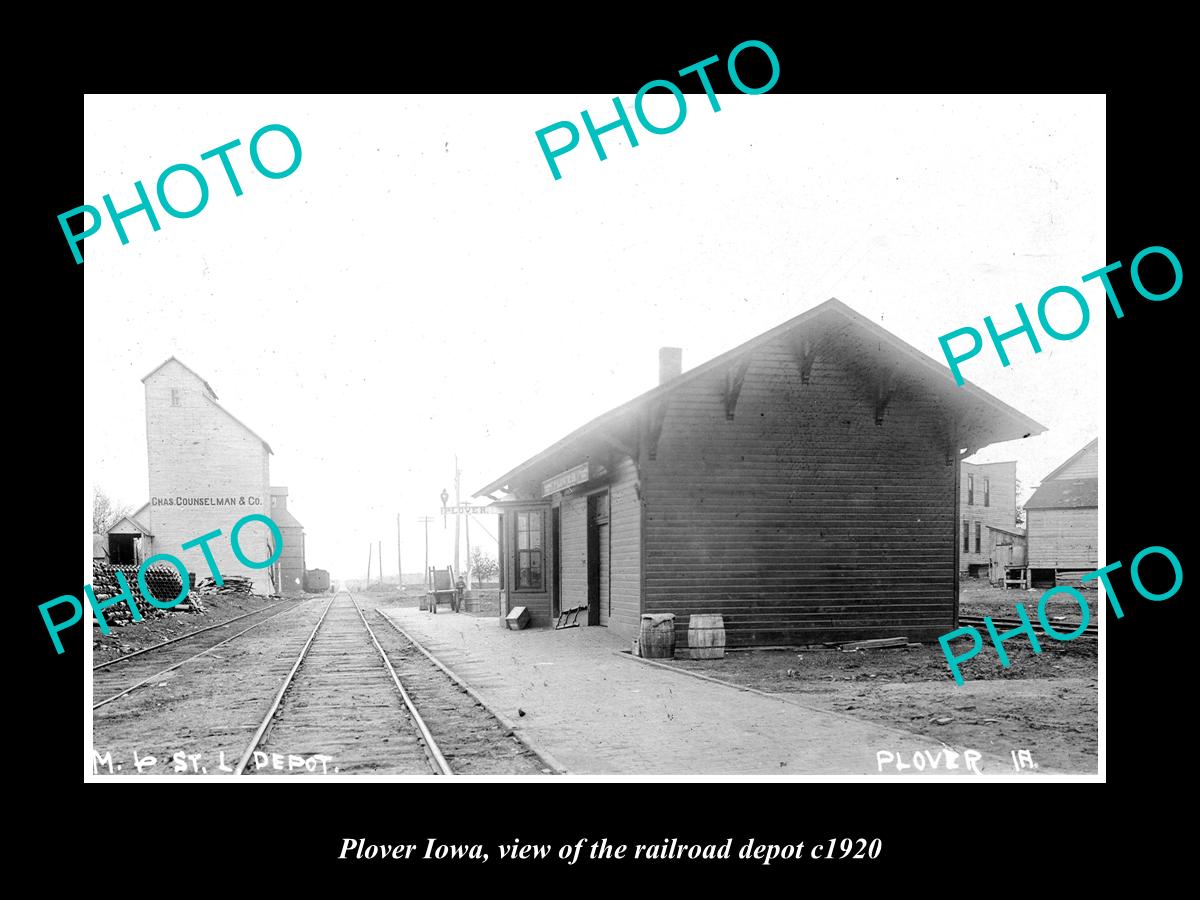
(804, 485)
(1007, 548)
(1063, 520)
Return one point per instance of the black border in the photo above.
(1146, 449)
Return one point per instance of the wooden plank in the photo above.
(876, 643)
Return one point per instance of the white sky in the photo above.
(422, 286)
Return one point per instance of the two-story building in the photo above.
(987, 496)
(1063, 520)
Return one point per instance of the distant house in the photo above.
(987, 496)
(1062, 518)
(804, 485)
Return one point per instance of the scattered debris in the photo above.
(234, 584)
(875, 644)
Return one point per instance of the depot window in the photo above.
(987, 492)
(970, 490)
(530, 541)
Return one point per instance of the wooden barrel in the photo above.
(706, 637)
(657, 638)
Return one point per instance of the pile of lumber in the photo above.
(234, 584)
(163, 582)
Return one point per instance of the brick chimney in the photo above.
(670, 363)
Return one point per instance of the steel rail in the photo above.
(1091, 631)
(435, 752)
(184, 637)
(504, 720)
(134, 687)
(262, 728)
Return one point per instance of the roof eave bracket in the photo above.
(735, 378)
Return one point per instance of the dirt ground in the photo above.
(167, 624)
(1044, 703)
(978, 598)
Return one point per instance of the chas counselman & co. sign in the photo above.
(206, 501)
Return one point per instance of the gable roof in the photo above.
(192, 371)
(1092, 445)
(1007, 423)
(240, 422)
(1065, 493)
(133, 526)
(211, 396)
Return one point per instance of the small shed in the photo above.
(1007, 555)
(124, 544)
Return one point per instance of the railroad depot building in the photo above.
(207, 470)
(804, 485)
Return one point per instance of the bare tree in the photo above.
(1020, 504)
(106, 512)
(484, 566)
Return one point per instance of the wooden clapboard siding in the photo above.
(625, 567)
(1063, 538)
(1086, 464)
(802, 520)
(1002, 509)
(574, 552)
(604, 550)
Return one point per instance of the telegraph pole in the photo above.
(426, 520)
(457, 516)
(467, 526)
(381, 562)
(368, 564)
(399, 568)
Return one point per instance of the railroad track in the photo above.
(475, 738)
(342, 699)
(184, 637)
(113, 684)
(319, 678)
(1092, 631)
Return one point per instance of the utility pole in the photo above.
(426, 520)
(467, 526)
(381, 562)
(457, 516)
(399, 568)
(368, 564)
